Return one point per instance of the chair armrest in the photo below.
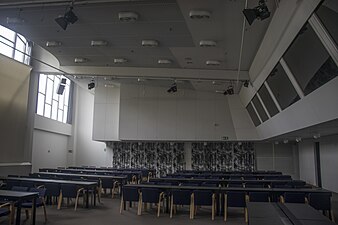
(81, 189)
(5, 205)
(41, 186)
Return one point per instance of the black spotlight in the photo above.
(260, 12)
(173, 88)
(230, 90)
(246, 83)
(91, 85)
(68, 18)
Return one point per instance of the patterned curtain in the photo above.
(223, 156)
(164, 157)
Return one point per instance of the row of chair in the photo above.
(54, 192)
(195, 198)
(233, 177)
(27, 205)
(291, 184)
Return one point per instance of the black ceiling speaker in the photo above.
(260, 12)
(173, 88)
(61, 86)
(68, 18)
(91, 85)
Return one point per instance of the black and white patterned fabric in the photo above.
(164, 157)
(223, 156)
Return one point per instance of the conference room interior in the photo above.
(169, 111)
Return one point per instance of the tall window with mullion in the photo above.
(50, 104)
(14, 45)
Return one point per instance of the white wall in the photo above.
(328, 162)
(50, 143)
(87, 151)
(307, 161)
(244, 127)
(279, 157)
(106, 113)
(150, 113)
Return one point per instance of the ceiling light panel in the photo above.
(53, 44)
(199, 14)
(128, 16)
(98, 43)
(164, 61)
(120, 60)
(207, 43)
(149, 43)
(213, 63)
(80, 60)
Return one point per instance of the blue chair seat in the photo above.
(4, 212)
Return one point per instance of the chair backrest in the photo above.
(181, 197)
(235, 185)
(12, 183)
(19, 188)
(207, 184)
(41, 191)
(69, 190)
(320, 201)
(249, 178)
(150, 195)
(259, 197)
(254, 185)
(189, 184)
(202, 197)
(294, 197)
(236, 199)
(27, 184)
(52, 189)
(130, 194)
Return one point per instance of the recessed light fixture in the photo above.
(246, 83)
(14, 20)
(212, 63)
(298, 139)
(128, 16)
(80, 60)
(91, 84)
(286, 141)
(164, 61)
(316, 136)
(53, 43)
(109, 85)
(140, 79)
(207, 43)
(98, 43)
(120, 60)
(199, 14)
(149, 43)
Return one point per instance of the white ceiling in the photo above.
(166, 21)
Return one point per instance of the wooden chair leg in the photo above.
(225, 207)
(121, 205)
(139, 205)
(60, 200)
(213, 208)
(171, 206)
(332, 216)
(246, 214)
(27, 214)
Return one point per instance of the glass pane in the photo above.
(253, 115)
(49, 91)
(5, 49)
(7, 33)
(47, 110)
(281, 87)
(309, 61)
(61, 98)
(66, 94)
(268, 102)
(56, 84)
(41, 104)
(22, 38)
(65, 113)
(51, 77)
(260, 108)
(42, 83)
(54, 110)
(328, 14)
(20, 45)
(60, 115)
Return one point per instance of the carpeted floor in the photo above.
(107, 213)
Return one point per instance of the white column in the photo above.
(273, 96)
(292, 78)
(259, 117)
(265, 109)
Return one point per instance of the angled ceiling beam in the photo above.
(155, 72)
